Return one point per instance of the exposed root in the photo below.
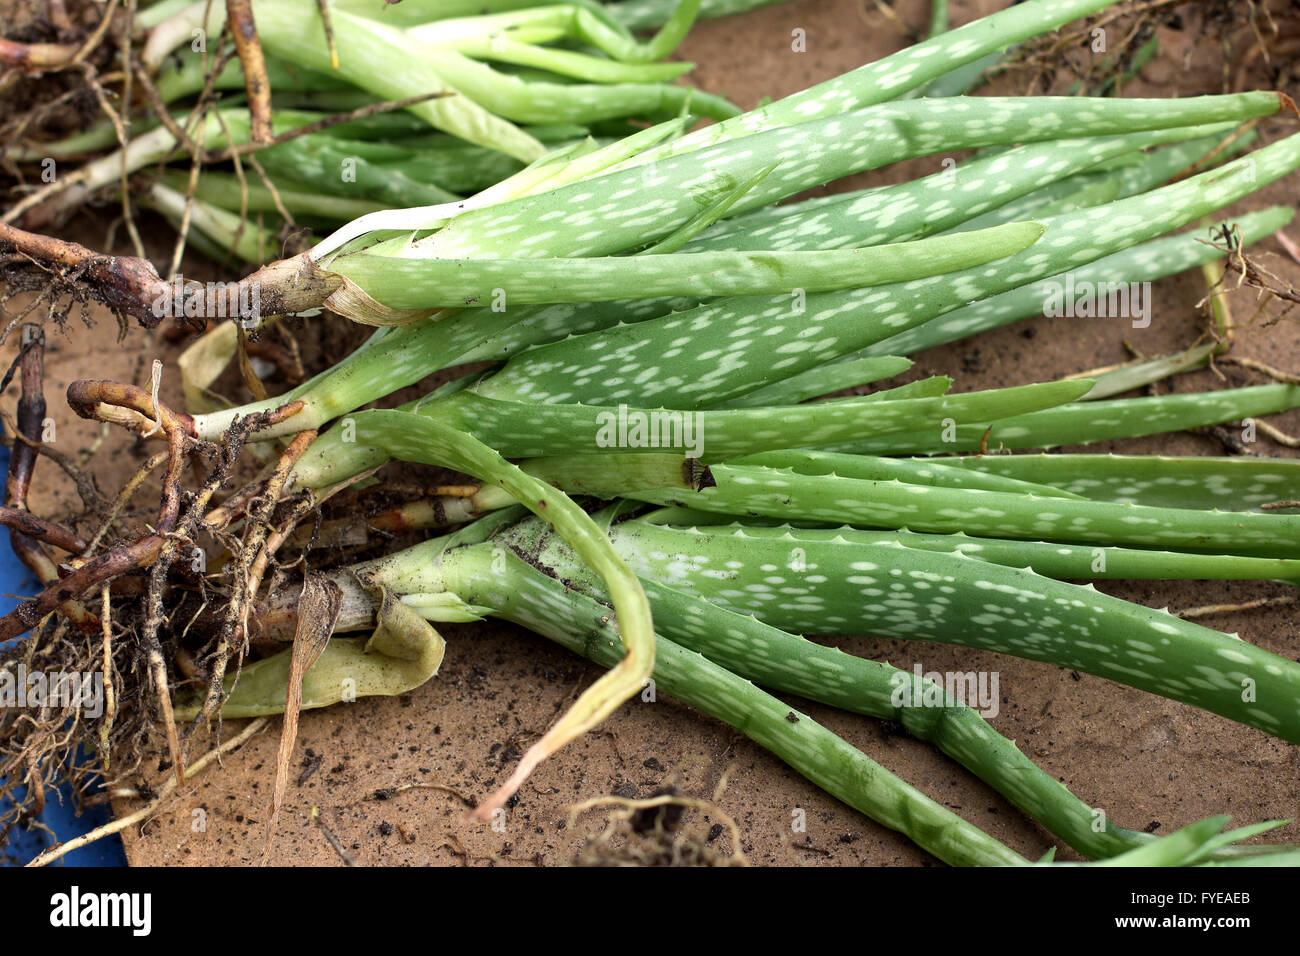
(129, 286)
(249, 47)
(1209, 610)
(649, 833)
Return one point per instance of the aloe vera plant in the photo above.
(846, 322)
(512, 569)
(747, 513)
(482, 105)
(554, 399)
(496, 83)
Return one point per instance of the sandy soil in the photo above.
(1148, 762)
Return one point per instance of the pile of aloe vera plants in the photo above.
(370, 107)
(637, 338)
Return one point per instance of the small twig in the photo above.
(328, 24)
(319, 602)
(247, 579)
(36, 57)
(324, 123)
(330, 838)
(22, 463)
(1211, 609)
(110, 693)
(34, 526)
(1275, 433)
(139, 410)
(126, 494)
(1287, 244)
(387, 793)
(243, 29)
(1274, 373)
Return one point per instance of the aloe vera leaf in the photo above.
(698, 640)
(916, 471)
(1140, 263)
(581, 66)
(1287, 858)
(604, 476)
(904, 593)
(831, 499)
(440, 283)
(849, 320)
(540, 603)
(218, 128)
(1131, 375)
(1229, 484)
(461, 169)
(706, 217)
(342, 167)
(431, 442)
(292, 30)
(537, 101)
(1189, 845)
(425, 11)
(558, 167)
(1053, 196)
(963, 79)
(587, 23)
(148, 17)
(650, 14)
(791, 664)
(93, 139)
(185, 76)
(228, 234)
(930, 387)
(402, 654)
(932, 203)
(894, 75)
(735, 343)
(1138, 174)
(1086, 422)
(179, 27)
(225, 190)
(822, 380)
(519, 430)
(921, 388)
(488, 100)
(783, 661)
(1123, 176)
(794, 665)
(650, 200)
(939, 18)
(1083, 562)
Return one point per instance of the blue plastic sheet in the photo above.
(59, 816)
